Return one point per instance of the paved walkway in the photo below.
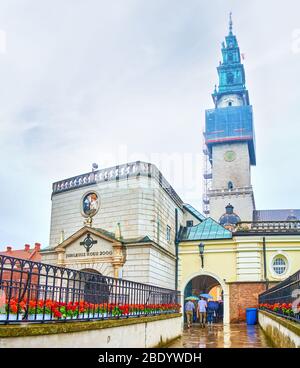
(222, 336)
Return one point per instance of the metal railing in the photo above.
(37, 292)
(283, 299)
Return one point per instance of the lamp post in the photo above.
(201, 251)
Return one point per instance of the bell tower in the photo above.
(229, 137)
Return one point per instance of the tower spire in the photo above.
(232, 120)
(230, 23)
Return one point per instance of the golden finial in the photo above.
(88, 222)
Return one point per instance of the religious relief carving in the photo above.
(90, 204)
(88, 221)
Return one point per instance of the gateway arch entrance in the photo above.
(96, 289)
(205, 284)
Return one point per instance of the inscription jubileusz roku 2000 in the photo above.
(90, 254)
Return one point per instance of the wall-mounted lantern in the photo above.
(201, 252)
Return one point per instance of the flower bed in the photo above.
(285, 309)
(50, 309)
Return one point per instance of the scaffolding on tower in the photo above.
(207, 178)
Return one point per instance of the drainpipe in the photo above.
(265, 263)
(176, 248)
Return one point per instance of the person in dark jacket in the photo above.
(210, 312)
(220, 311)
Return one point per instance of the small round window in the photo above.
(279, 265)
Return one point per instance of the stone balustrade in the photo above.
(133, 169)
(268, 227)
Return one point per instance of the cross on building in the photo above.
(88, 242)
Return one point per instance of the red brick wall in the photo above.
(11, 282)
(243, 295)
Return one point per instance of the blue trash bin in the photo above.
(251, 316)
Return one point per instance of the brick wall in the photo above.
(243, 295)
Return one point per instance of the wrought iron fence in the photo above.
(38, 292)
(283, 299)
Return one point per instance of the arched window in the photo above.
(230, 78)
(230, 185)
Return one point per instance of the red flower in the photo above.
(14, 308)
(32, 304)
(57, 313)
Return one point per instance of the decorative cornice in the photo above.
(114, 174)
(230, 192)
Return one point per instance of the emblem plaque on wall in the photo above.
(90, 204)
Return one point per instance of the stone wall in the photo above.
(282, 332)
(143, 208)
(243, 295)
(238, 172)
(143, 332)
(149, 264)
(139, 204)
(243, 204)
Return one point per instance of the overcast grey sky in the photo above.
(82, 81)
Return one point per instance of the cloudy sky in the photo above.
(114, 81)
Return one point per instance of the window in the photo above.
(230, 185)
(230, 78)
(168, 235)
(189, 223)
(279, 265)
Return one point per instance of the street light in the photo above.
(201, 251)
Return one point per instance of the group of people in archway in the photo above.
(206, 312)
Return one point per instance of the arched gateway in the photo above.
(209, 284)
(96, 289)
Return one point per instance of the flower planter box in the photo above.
(62, 309)
(39, 317)
(11, 317)
(86, 316)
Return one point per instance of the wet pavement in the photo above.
(222, 336)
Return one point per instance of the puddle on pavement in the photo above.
(222, 336)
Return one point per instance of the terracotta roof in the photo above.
(30, 254)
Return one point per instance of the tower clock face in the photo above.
(229, 156)
(230, 100)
